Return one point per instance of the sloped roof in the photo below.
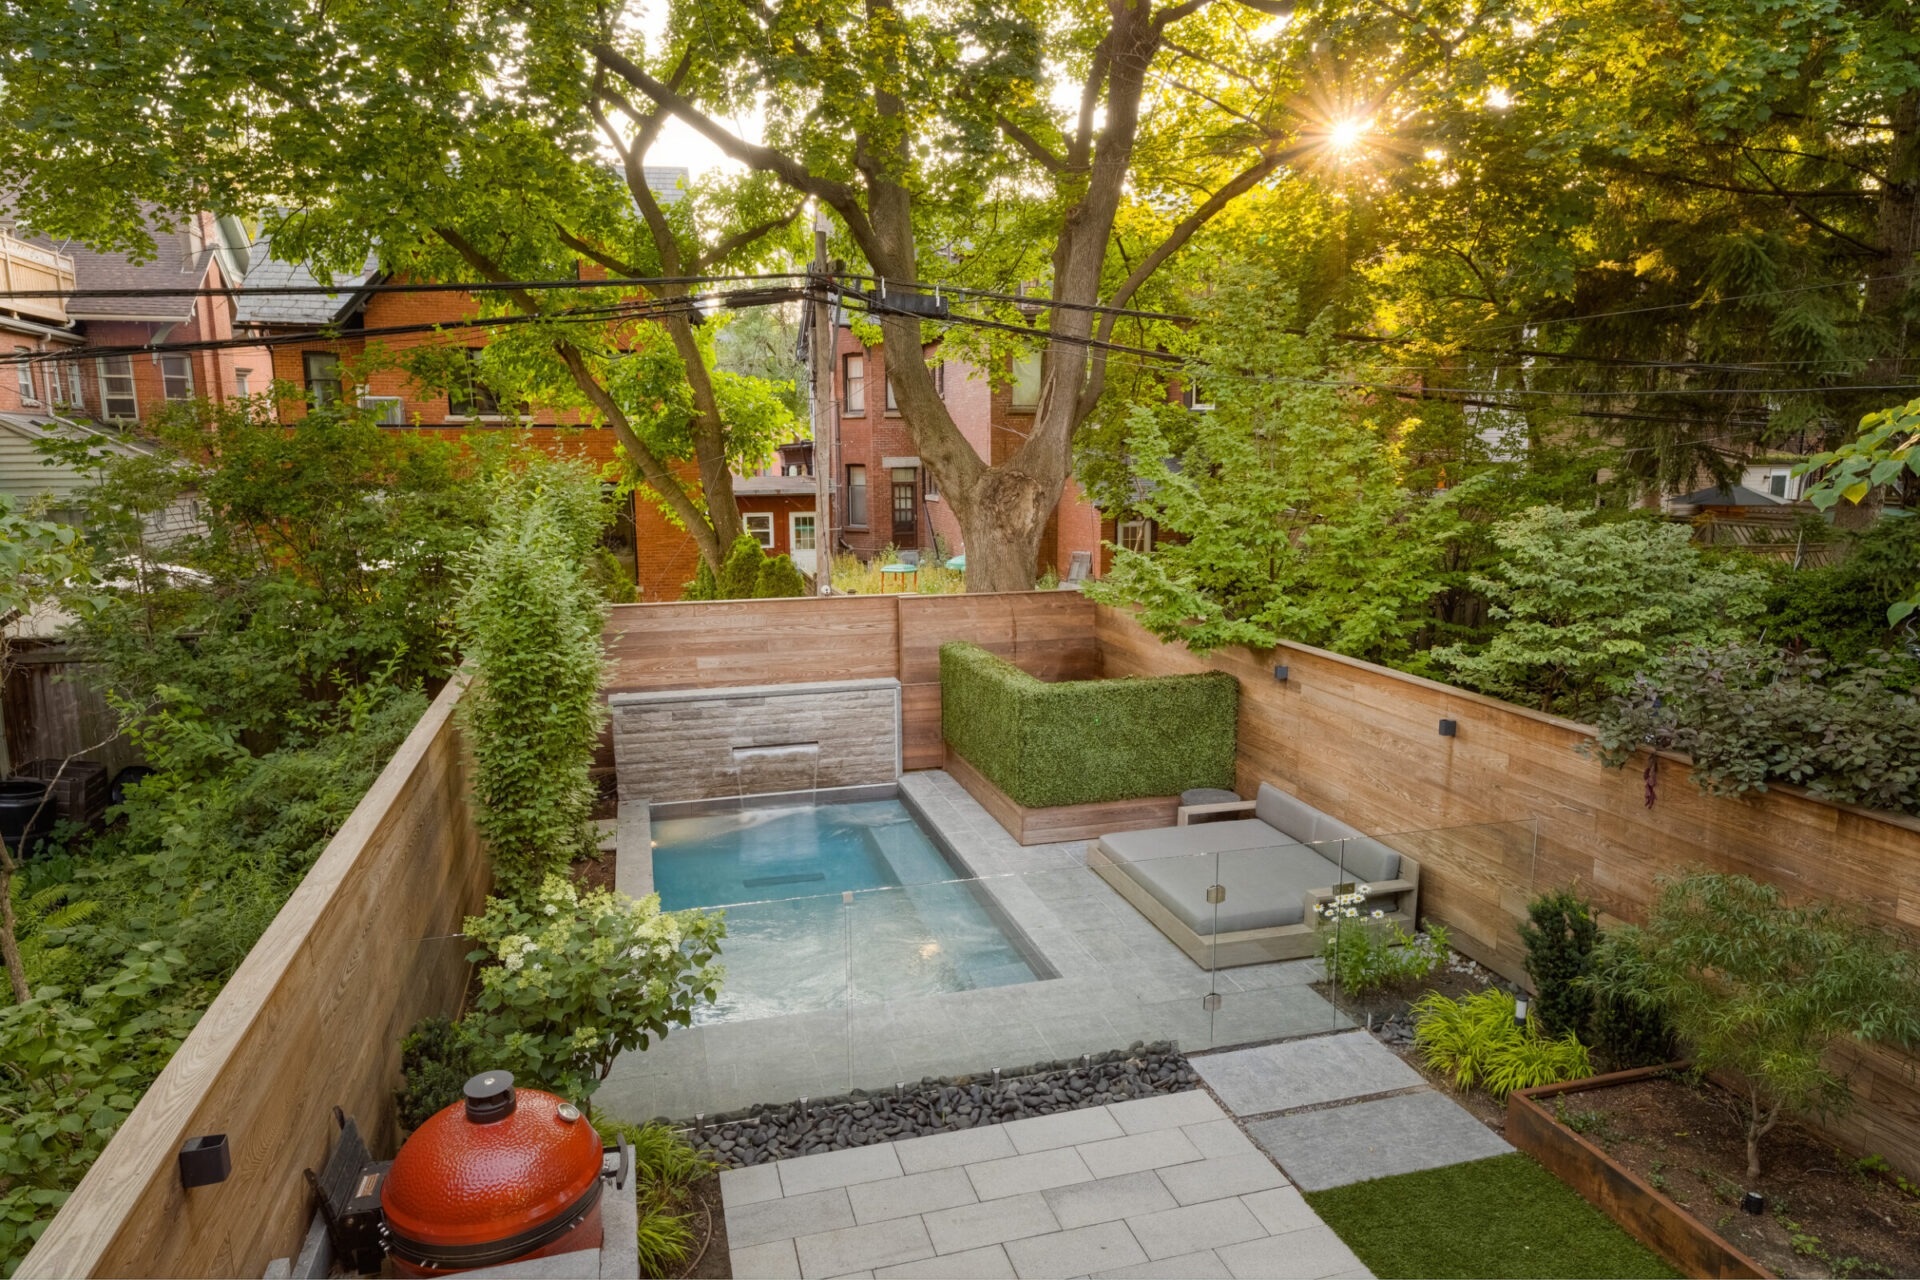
(298, 309)
(1737, 496)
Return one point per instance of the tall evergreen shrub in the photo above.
(779, 576)
(741, 571)
(1560, 934)
(531, 624)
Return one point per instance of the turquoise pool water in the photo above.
(829, 905)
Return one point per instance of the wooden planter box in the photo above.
(1061, 822)
(1645, 1213)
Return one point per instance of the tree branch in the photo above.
(742, 238)
(587, 249)
(1030, 144)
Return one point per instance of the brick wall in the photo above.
(45, 394)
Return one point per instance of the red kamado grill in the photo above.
(508, 1175)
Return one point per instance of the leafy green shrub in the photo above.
(1476, 1041)
(1364, 952)
(573, 980)
(1749, 715)
(1760, 991)
(704, 585)
(1560, 934)
(1583, 606)
(531, 621)
(436, 1061)
(1626, 1033)
(779, 577)
(1084, 741)
(740, 572)
(1840, 610)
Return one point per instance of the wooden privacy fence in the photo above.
(366, 946)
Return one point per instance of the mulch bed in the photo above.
(1826, 1215)
(710, 1259)
(592, 873)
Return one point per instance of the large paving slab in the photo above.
(1304, 1073)
(1164, 1186)
(1339, 1145)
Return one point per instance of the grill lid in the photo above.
(504, 1167)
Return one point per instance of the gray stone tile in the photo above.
(1109, 1199)
(1204, 1265)
(990, 1263)
(775, 1261)
(1219, 1178)
(1313, 1254)
(993, 1179)
(1194, 1227)
(1079, 1252)
(1168, 1111)
(1154, 1149)
(1321, 1149)
(914, 1194)
(1062, 1129)
(767, 1220)
(944, 1150)
(1281, 1209)
(993, 1222)
(1304, 1073)
(1219, 1138)
(750, 1185)
(838, 1169)
(874, 1244)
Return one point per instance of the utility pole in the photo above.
(825, 339)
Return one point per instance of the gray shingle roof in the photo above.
(176, 264)
(299, 309)
(664, 181)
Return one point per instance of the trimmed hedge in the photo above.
(1086, 741)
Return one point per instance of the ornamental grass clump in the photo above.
(1364, 951)
(1477, 1041)
(573, 980)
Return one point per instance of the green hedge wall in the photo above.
(1086, 741)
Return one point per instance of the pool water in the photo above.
(829, 905)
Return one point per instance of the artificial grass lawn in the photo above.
(1504, 1216)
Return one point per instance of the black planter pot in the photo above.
(27, 814)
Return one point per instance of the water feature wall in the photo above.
(780, 739)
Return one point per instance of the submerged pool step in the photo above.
(765, 882)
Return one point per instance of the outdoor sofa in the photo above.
(1275, 867)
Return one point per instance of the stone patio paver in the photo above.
(1331, 1148)
(1044, 1212)
(1304, 1073)
(1205, 1265)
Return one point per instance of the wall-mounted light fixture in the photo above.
(1280, 672)
(205, 1160)
(1449, 728)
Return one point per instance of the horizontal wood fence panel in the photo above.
(719, 643)
(1363, 742)
(366, 946)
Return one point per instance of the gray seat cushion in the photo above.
(1266, 888)
(1189, 842)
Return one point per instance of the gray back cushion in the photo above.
(1284, 813)
(1365, 860)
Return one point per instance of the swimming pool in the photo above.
(833, 904)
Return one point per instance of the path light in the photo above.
(1753, 1202)
(1520, 1011)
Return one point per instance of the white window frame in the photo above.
(241, 382)
(866, 496)
(852, 404)
(929, 487)
(76, 389)
(1135, 535)
(794, 520)
(760, 525)
(1037, 363)
(175, 368)
(107, 395)
(1191, 397)
(394, 412)
(23, 374)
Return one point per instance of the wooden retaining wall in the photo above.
(1363, 742)
(365, 947)
(717, 643)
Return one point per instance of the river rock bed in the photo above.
(774, 1132)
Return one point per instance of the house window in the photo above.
(476, 399)
(1136, 535)
(24, 373)
(893, 405)
(76, 395)
(905, 520)
(176, 377)
(1026, 382)
(1777, 484)
(855, 400)
(117, 399)
(857, 497)
(241, 381)
(760, 525)
(388, 411)
(1197, 397)
(930, 488)
(322, 370)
